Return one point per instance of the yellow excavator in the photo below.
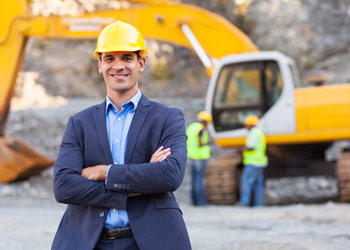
(300, 121)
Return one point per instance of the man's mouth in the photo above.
(119, 75)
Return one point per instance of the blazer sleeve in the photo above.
(69, 186)
(159, 177)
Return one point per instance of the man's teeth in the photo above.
(114, 75)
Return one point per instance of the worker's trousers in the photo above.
(198, 168)
(252, 180)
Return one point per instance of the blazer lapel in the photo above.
(135, 127)
(101, 130)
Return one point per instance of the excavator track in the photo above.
(221, 180)
(343, 171)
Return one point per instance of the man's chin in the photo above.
(121, 90)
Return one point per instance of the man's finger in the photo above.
(163, 157)
(159, 149)
(160, 154)
(163, 152)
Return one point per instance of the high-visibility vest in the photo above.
(257, 156)
(194, 151)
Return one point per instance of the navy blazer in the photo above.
(155, 217)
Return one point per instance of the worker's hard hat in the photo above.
(251, 120)
(120, 36)
(317, 77)
(204, 115)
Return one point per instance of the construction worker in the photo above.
(121, 160)
(254, 161)
(198, 151)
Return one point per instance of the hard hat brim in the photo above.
(143, 50)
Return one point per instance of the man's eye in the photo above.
(108, 59)
(128, 59)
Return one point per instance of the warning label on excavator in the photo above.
(87, 24)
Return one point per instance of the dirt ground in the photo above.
(27, 224)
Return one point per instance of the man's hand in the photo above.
(95, 173)
(160, 154)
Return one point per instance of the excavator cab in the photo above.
(261, 84)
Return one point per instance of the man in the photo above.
(254, 161)
(114, 168)
(199, 153)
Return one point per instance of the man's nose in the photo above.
(118, 64)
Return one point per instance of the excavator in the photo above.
(300, 122)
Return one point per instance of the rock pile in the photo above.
(314, 189)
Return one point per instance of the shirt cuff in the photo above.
(109, 166)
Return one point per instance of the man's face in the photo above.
(249, 127)
(120, 70)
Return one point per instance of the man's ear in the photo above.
(142, 63)
(99, 65)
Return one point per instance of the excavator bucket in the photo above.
(18, 161)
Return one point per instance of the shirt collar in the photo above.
(134, 101)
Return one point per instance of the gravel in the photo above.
(293, 227)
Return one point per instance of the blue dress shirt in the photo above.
(118, 125)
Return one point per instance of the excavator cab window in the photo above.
(242, 89)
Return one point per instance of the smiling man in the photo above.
(121, 160)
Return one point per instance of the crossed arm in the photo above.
(99, 172)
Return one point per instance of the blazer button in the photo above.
(102, 214)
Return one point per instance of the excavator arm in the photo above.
(210, 35)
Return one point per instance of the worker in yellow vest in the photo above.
(198, 151)
(254, 161)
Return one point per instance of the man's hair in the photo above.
(138, 53)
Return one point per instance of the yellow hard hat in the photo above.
(251, 120)
(204, 115)
(120, 36)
